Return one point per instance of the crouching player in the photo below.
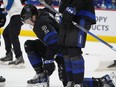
(43, 51)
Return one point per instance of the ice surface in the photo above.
(93, 53)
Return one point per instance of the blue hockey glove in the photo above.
(49, 67)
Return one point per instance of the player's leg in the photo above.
(109, 80)
(92, 82)
(8, 48)
(75, 53)
(61, 68)
(77, 65)
(33, 50)
(68, 67)
(15, 27)
(39, 80)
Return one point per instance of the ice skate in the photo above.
(108, 81)
(78, 85)
(2, 81)
(18, 63)
(8, 58)
(113, 77)
(70, 84)
(40, 80)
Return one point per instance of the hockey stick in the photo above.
(80, 27)
(49, 7)
(96, 37)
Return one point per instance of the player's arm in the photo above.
(9, 4)
(50, 39)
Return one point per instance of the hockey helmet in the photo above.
(28, 11)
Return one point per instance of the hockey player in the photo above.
(108, 4)
(104, 4)
(2, 81)
(108, 80)
(98, 3)
(2, 22)
(11, 33)
(43, 51)
(73, 39)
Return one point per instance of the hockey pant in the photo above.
(34, 50)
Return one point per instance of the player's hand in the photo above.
(49, 67)
(2, 19)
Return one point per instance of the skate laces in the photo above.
(77, 85)
(70, 84)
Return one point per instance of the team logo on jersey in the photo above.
(45, 29)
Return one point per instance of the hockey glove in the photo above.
(49, 67)
(68, 16)
(2, 19)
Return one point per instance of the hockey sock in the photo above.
(77, 69)
(61, 68)
(68, 69)
(36, 62)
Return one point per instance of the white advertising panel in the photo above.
(106, 23)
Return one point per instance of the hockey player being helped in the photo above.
(43, 51)
(2, 22)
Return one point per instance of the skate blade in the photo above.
(4, 63)
(38, 85)
(2, 84)
(19, 66)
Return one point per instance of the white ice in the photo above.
(94, 52)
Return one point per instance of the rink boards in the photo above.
(104, 28)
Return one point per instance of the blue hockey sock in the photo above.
(68, 69)
(77, 69)
(36, 62)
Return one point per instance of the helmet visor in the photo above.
(25, 17)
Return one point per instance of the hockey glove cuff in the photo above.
(68, 16)
(49, 67)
